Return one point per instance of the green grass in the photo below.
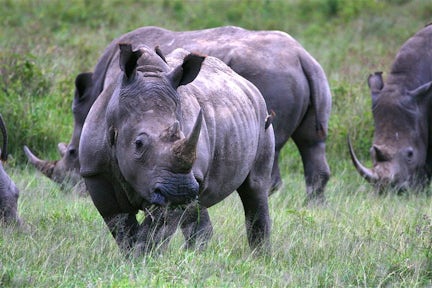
(357, 239)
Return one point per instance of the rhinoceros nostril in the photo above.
(380, 154)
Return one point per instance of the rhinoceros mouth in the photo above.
(384, 187)
(175, 190)
(158, 199)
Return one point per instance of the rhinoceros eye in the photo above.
(141, 142)
(138, 143)
(409, 153)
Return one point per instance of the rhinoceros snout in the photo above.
(400, 184)
(178, 191)
(158, 199)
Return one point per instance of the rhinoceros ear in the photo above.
(187, 72)
(421, 91)
(375, 83)
(128, 59)
(83, 83)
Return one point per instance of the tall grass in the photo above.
(357, 239)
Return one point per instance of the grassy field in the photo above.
(357, 239)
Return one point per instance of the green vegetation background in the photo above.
(358, 241)
(45, 44)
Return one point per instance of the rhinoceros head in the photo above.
(399, 149)
(66, 169)
(146, 127)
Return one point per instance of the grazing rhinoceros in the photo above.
(66, 170)
(154, 137)
(8, 191)
(290, 79)
(402, 150)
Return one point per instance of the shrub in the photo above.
(25, 91)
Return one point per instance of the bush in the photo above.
(26, 92)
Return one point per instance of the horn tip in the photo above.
(26, 150)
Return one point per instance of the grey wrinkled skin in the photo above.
(401, 151)
(9, 193)
(186, 132)
(292, 82)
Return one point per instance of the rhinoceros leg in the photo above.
(276, 177)
(157, 229)
(254, 198)
(310, 141)
(121, 223)
(160, 224)
(8, 210)
(196, 227)
(254, 193)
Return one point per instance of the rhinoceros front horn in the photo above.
(366, 173)
(46, 167)
(185, 149)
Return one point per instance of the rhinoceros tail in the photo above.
(320, 95)
(3, 155)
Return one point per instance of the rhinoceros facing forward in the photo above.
(154, 137)
(292, 82)
(402, 149)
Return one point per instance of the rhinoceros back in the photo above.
(412, 66)
(234, 112)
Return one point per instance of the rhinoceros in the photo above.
(9, 193)
(167, 135)
(292, 82)
(66, 170)
(401, 151)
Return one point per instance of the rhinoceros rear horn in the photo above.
(46, 167)
(188, 71)
(368, 174)
(128, 59)
(185, 149)
(421, 90)
(3, 154)
(62, 149)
